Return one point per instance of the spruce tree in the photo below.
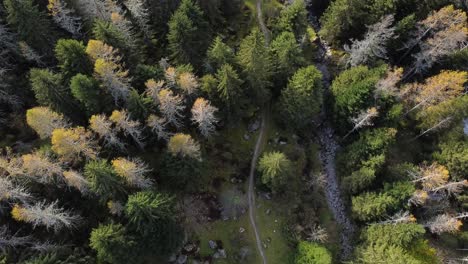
(189, 34)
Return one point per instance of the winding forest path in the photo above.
(328, 149)
(251, 190)
(256, 154)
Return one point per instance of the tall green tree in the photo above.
(293, 18)
(255, 61)
(87, 91)
(312, 253)
(301, 101)
(229, 87)
(352, 91)
(151, 217)
(49, 90)
(145, 209)
(72, 58)
(276, 170)
(31, 24)
(113, 244)
(189, 34)
(219, 54)
(287, 55)
(103, 180)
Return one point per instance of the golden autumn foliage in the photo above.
(97, 49)
(433, 176)
(40, 167)
(18, 213)
(188, 82)
(171, 75)
(203, 114)
(73, 143)
(43, 120)
(152, 89)
(184, 145)
(133, 171)
(437, 89)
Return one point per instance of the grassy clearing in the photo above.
(228, 233)
(271, 227)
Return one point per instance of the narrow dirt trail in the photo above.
(256, 154)
(251, 190)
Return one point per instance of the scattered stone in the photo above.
(189, 247)
(268, 211)
(265, 246)
(274, 230)
(282, 140)
(225, 218)
(172, 258)
(212, 244)
(182, 259)
(276, 220)
(244, 252)
(221, 253)
(241, 230)
(254, 126)
(268, 239)
(267, 196)
(246, 137)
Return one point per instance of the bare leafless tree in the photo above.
(203, 114)
(11, 192)
(171, 106)
(158, 126)
(400, 218)
(102, 126)
(76, 180)
(133, 171)
(152, 89)
(42, 214)
(8, 240)
(387, 86)
(317, 234)
(42, 168)
(115, 208)
(365, 118)
(142, 16)
(65, 17)
(444, 223)
(129, 127)
(374, 43)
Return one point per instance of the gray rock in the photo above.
(182, 259)
(246, 137)
(172, 258)
(189, 247)
(267, 196)
(212, 244)
(221, 253)
(268, 211)
(254, 126)
(243, 253)
(241, 230)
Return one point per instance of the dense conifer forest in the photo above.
(233, 131)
